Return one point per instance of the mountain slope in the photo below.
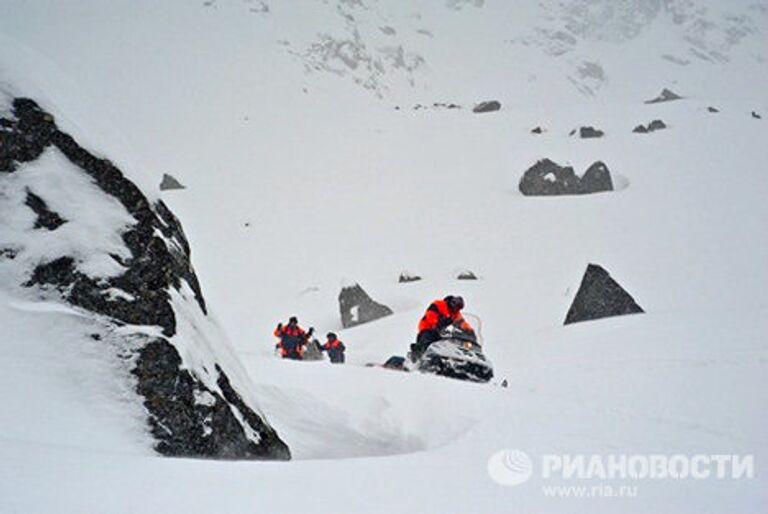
(302, 175)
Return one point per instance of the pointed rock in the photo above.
(466, 275)
(600, 296)
(596, 179)
(713, 109)
(169, 183)
(666, 95)
(357, 307)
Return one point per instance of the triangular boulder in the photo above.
(600, 296)
(357, 307)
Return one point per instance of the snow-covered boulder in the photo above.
(357, 307)
(547, 178)
(600, 296)
(76, 230)
(406, 277)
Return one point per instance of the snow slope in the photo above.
(302, 175)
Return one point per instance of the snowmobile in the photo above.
(457, 354)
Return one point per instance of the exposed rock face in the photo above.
(190, 412)
(357, 307)
(46, 218)
(756, 116)
(640, 129)
(713, 109)
(537, 130)
(666, 95)
(488, 106)
(590, 133)
(547, 178)
(169, 183)
(599, 296)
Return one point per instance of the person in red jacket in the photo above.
(292, 339)
(335, 348)
(440, 314)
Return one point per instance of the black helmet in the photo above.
(293, 319)
(331, 336)
(455, 303)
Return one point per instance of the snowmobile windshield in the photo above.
(453, 332)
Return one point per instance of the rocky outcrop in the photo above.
(191, 411)
(651, 127)
(666, 95)
(756, 115)
(488, 106)
(170, 183)
(600, 296)
(547, 178)
(537, 130)
(590, 133)
(357, 307)
(713, 110)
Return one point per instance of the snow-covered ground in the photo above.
(301, 176)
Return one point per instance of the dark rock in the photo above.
(357, 307)
(188, 419)
(597, 178)
(572, 132)
(599, 296)
(8, 253)
(46, 218)
(489, 106)
(590, 132)
(537, 130)
(547, 178)
(713, 109)
(159, 262)
(407, 277)
(756, 116)
(466, 275)
(651, 127)
(169, 183)
(666, 95)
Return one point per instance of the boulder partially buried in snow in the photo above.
(590, 133)
(170, 183)
(357, 307)
(600, 296)
(489, 106)
(123, 260)
(666, 95)
(547, 178)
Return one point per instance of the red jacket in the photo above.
(292, 339)
(439, 316)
